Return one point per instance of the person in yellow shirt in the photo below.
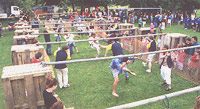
(151, 47)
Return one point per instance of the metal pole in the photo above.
(98, 39)
(133, 8)
(79, 26)
(54, 14)
(155, 99)
(68, 23)
(58, 20)
(85, 31)
(113, 57)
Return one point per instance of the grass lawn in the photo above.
(91, 82)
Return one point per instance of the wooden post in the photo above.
(8, 93)
(14, 58)
(27, 59)
(31, 91)
(172, 45)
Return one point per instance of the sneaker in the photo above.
(163, 84)
(149, 71)
(68, 85)
(168, 89)
(144, 64)
(127, 78)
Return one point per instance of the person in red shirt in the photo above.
(181, 55)
(38, 58)
(194, 64)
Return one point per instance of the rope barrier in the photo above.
(98, 39)
(113, 57)
(86, 31)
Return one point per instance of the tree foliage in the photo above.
(184, 5)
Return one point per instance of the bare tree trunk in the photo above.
(73, 7)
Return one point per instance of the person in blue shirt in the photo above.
(195, 43)
(198, 27)
(61, 69)
(194, 23)
(185, 22)
(117, 66)
(189, 25)
(117, 49)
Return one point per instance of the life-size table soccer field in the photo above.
(91, 82)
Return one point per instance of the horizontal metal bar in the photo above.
(155, 99)
(133, 8)
(113, 57)
(57, 13)
(63, 19)
(85, 31)
(79, 26)
(68, 23)
(61, 42)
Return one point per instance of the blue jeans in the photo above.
(58, 37)
(155, 24)
(48, 49)
(126, 73)
(185, 25)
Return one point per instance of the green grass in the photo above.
(5, 56)
(91, 82)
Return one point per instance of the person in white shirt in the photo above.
(94, 44)
(80, 28)
(71, 44)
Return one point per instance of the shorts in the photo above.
(80, 31)
(150, 57)
(95, 46)
(115, 72)
(144, 22)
